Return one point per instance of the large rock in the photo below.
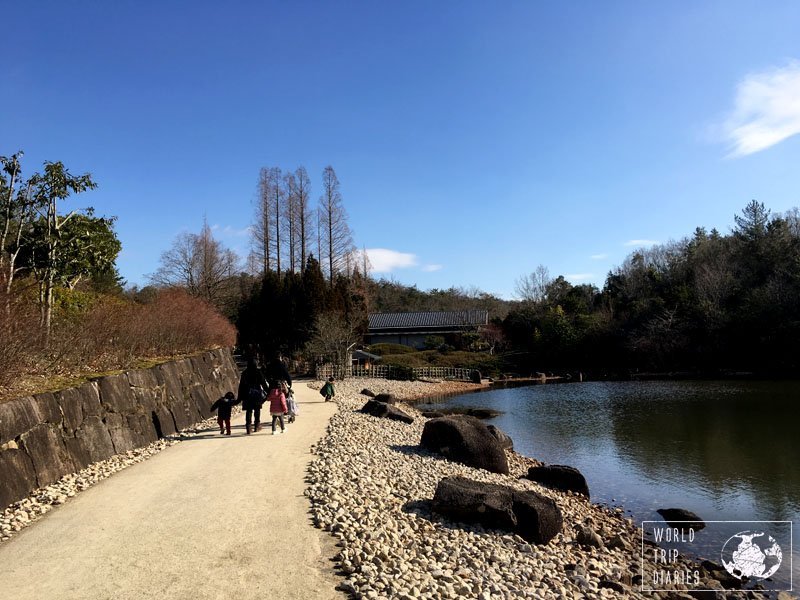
(681, 518)
(532, 516)
(386, 411)
(387, 398)
(466, 440)
(505, 440)
(560, 477)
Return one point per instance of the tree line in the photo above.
(63, 309)
(709, 303)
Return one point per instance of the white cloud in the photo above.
(766, 110)
(579, 276)
(386, 261)
(228, 231)
(640, 243)
(432, 268)
(598, 256)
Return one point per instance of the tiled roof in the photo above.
(456, 318)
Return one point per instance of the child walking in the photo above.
(291, 403)
(327, 389)
(277, 405)
(224, 407)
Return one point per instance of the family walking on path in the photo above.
(94, 546)
(257, 386)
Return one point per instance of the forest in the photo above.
(710, 304)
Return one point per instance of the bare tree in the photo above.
(262, 227)
(277, 200)
(336, 235)
(333, 338)
(199, 263)
(533, 287)
(303, 212)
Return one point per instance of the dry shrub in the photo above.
(109, 333)
(19, 336)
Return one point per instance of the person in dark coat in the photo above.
(224, 407)
(276, 370)
(252, 393)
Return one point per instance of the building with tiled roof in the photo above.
(412, 328)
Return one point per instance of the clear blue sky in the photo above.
(482, 138)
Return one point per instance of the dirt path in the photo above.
(212, 517)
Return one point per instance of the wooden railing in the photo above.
(386, 372)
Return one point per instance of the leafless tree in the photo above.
(303, 212)
(333, 338)
(199, 263)
(533, 287)
(290, 220)
(262, 227)
(337, 238)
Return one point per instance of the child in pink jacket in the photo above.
(277, 404)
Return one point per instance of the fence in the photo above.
(392, 372)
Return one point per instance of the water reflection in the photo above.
(725, 450)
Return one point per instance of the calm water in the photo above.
(724, 450)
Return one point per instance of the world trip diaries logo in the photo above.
(749, 554)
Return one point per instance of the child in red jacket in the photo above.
(277, 405)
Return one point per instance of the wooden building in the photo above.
(412, 328)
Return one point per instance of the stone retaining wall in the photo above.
(46, 436)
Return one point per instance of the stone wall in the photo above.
(46, 436)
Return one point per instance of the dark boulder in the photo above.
(475, 376)
(386, 411)
(682, 519)
(560, 477)
(367, 392)
(466, 440)
(505, 441)
(534, 517)
(432, 414)
(387, 398)
(478, 413)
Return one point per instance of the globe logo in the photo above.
(751, 554)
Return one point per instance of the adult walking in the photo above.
(276, 370)
(252, 393)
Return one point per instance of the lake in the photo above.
(727, 451)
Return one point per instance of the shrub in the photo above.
(387, 349)
(401, 373)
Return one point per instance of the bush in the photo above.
(95, 333)
(401, 373)
(390, 349)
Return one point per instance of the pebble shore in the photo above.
(371, 487)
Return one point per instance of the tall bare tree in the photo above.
(277, 189)
(199, 263)
(262, 227)
(337, 238)
(291, 225)
(303, 212)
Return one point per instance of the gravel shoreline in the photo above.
(371, 487)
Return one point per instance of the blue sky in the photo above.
(473, 140)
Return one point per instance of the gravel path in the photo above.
(214, 517)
